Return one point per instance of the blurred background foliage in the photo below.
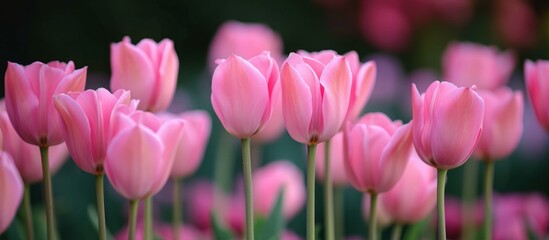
(82, 31)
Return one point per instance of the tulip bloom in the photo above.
(29, 92)
(11, 190)
(149, 70)
(537, 85)
(467, 64)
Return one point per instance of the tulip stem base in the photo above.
(339, 204)
(133, 219)
(176, 215)
(247, 167)
(397, 231)
(469, 191)
(311, 155)
(328, 195)
(48, 196)
(441, 183)
(488, 183)
(148, 218)
(372, 230)
(27, 211)
(100, 206)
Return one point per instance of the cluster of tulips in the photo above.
(319, 97)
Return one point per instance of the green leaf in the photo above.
(92, 215)
(220, 232)
(272, 227)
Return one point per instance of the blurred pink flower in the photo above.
(516, 22)
(385, 25)
(337, 161)
(537, 85)
(11, 190)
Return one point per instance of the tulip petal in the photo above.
(362, 88)
(11, 190)
(395, 157)
(297, 108)
(171, 134)
(168, 72)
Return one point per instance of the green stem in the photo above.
(176, 215)
(100, 206)
(339, 204)
(441, 182)
(373, 222)
(311, 152)
(328, 194)
(28, 213)
(397, 231)
(247, 165)
(469, 189)
(48, 193)
(148, 218)
(133, 219)
(488, 183)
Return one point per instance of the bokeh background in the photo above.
(405, 37)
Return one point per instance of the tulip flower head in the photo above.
(537, 85)
(11, 190)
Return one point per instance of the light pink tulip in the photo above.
(190, 151)
(29, 98)
(467, 64)
(141, 153)
(11, 190)
(87, 120)
(243, 93)
(377, 152)
(201, 201)
(502, 127)
(414, 195)
(27, 156)
(382, 217)
(447, 124)
(278, 176)
(149, 70)
(315, 97)
(337, 158)
(537, 85)
(243, 39)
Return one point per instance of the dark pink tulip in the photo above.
(537, 85)
(516, 23)
(29, 98)
(243, 39)
(377, 152)
(466, 64)
(11, 190)
(87, 121)
(447, 124)
(452, 207)
(140, 155)
(278, 176)
(337, 161)
(149, 70)
(502, 127)
(315, 97)
(385, 25)
(243, 93)
(190, 151)
(27, 156)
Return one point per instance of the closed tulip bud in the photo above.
(377, 153)
(29, 98)
(467, 64)
(315, 97)
(537, 85)
(275, 177)
(447, 124)
(87, 120)
(11, 190)
(149, 70)
(243, 93)
(502, 126)
(27, 156)
(337, 161)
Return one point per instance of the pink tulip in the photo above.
(141, 153)
(502, 127)
(447, 124)
(243, 39)
(516, 23)
(278, 176)
(452, 207)
(29, 98)
(377, 152)
(190, 151)
(27, 156)
(414, 195)
(382, 217)
(537, 85)
(201, 201)
(337, 165)
(87, 121)
(467, 64)
(11, 190)
(315, 97)
(385, 25)
(149, 70)
(243, 93)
